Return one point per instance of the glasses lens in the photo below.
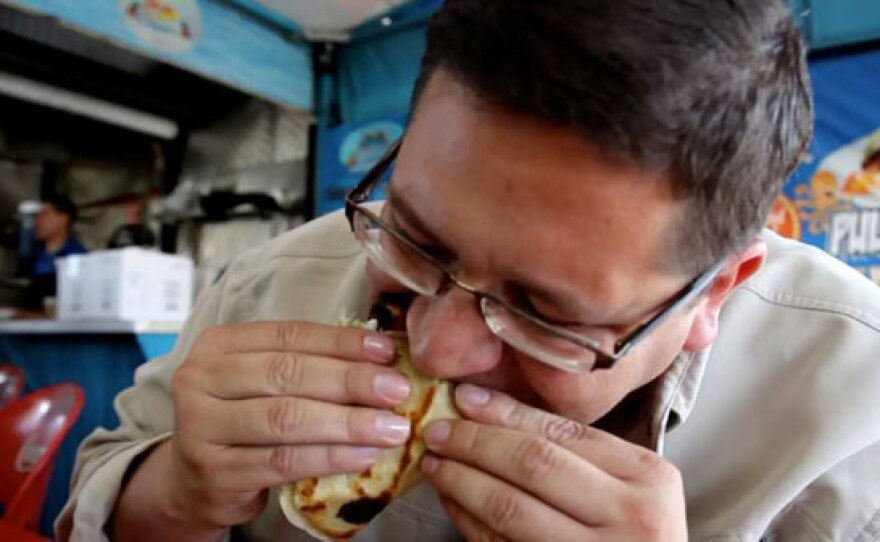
(395, 257)
(537, 341)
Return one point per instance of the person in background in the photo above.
(134, 232)
(53, 228)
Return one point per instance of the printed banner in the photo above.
(347, 153)
(208, 37)
(833, 201)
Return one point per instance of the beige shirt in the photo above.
(775, 428)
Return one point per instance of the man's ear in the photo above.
(704, 328)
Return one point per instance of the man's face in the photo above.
(529, 210)
(49, 223)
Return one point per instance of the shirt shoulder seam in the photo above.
(789, 299)
(315, 255)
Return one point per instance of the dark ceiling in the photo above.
(40, 48)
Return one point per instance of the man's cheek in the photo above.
(584, 397)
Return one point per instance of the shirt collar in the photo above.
(676, 395)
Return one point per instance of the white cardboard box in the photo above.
(128, 284)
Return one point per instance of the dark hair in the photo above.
(713, 93)
(63, 205)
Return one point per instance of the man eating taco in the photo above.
(573, 219)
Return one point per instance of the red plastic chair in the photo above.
(31, 430)
(14, 533)
(11, 383)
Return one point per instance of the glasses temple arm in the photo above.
(360, 192)
(694, 290)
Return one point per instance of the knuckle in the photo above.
(209, 336)
(517, 416)
(666, 473)
(201, 461)
(352, 381)
(191, 373)
(286, 415)
(289, 334)
(284, 373)
(503, 509)
(345, 337)
(358, 425)
(646, 519)
(467, 435)
(655, 469)
(283, 459)
(336, 459)
(192, 415)
(536, 458)
(182, 379)
(563, 431)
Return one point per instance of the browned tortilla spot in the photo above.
(317, 507)
(364, 509)
(406, 458)
(308, 489)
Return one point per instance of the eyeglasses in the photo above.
(402, 259)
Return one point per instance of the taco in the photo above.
(336, 507)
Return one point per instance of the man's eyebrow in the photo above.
(569, 307)
(572, 309)
(402, 210)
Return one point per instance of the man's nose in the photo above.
(448, 336)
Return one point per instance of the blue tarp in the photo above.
(376, 75)
(373, 88)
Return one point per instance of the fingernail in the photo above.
(391, 386)
(392, 428)
(430, 463)
(379, 347)
(362, 457)
(438, 432)
(468, 395)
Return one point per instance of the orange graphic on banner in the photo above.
(784, 218)
(862, 183)
(818, 200)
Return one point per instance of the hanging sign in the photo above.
(209, 37)
(348, 152)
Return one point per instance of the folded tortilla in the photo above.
(337, 507)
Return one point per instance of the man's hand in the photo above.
(512, 472)
(262, 404)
